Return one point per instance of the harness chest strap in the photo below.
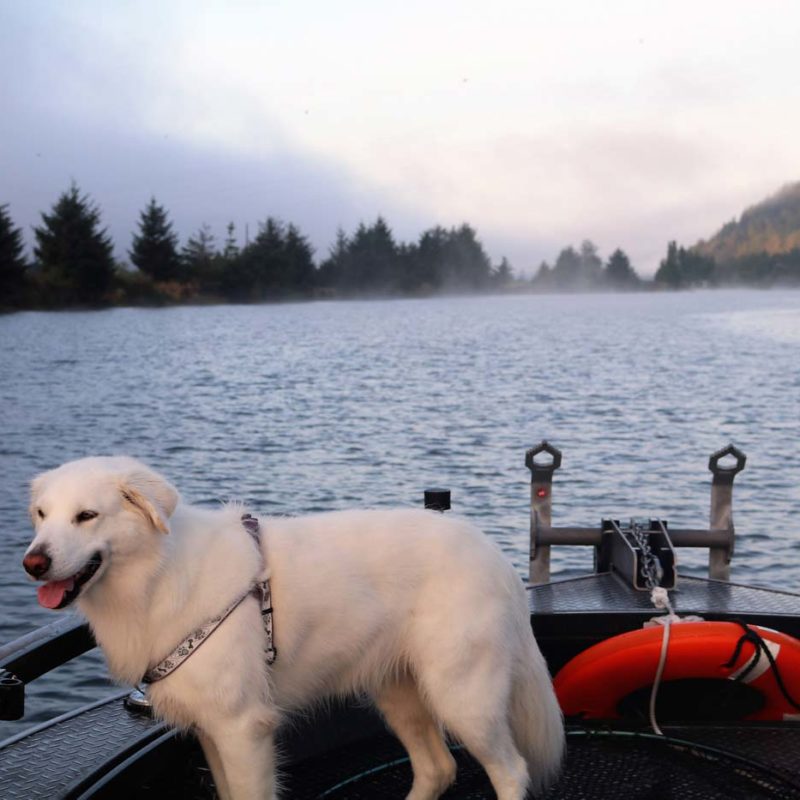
(189, 645)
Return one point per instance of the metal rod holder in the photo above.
(721, 514)
(541, 505)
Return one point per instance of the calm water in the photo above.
(311, 407)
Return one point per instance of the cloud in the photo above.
(121, 171)
(539, 124)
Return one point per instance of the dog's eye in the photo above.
(85, 516)
(40, 513)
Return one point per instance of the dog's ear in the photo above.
(151, 496)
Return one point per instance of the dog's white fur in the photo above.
(416, 609)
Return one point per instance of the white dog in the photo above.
(416, 609)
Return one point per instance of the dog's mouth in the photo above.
(59, 594)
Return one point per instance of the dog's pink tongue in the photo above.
(51, 594)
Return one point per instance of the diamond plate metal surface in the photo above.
(608, 593)
(49, 761)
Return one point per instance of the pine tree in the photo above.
(199, 257)
(543, 276)
(591, 264)
(619, 272)
(299, 259)
(74, 255)
(669, 271)
(466, 262)
(566, 271)
(336, 265)
(279, 261)
(373, 259)
(155, 247)
(504, 272)
(430, 257)
(230, 250)
(265, 260)
(12, 262)
(684, 268)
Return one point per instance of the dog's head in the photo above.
(88, 514)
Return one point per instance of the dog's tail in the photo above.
(536, 719)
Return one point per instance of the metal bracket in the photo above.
(621, 552)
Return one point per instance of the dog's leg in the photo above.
(472, 702)
(215, 765)
(494, 748)
(246, 752)
(433, 766)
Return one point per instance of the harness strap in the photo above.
(190, 644)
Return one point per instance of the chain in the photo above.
(650, 567)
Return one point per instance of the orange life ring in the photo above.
(594, 682)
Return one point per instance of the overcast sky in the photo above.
(541, 123)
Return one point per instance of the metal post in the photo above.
(721, 516)
(437, 499)
(541, 503)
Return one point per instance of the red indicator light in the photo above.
(542, 492)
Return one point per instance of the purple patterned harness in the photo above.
(190, 644)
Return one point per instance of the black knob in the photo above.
(437, 499)
(12, 696)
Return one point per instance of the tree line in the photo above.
(688, 268)
(73, 261)
(582, 269)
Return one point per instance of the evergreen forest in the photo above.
(73, 262)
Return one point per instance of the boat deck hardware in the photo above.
(137, 702)
(718, 537)
(12, 696)
(635, 550)
(437, 499)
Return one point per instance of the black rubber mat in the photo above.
(598, 767)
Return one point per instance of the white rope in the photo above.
(660, 599)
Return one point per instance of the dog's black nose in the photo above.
(36, 563)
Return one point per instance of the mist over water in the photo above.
(318, 406)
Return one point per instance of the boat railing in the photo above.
(36, 653)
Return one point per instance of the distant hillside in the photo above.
(771, 227)
(761, 248)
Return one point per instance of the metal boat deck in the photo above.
(571, 615)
